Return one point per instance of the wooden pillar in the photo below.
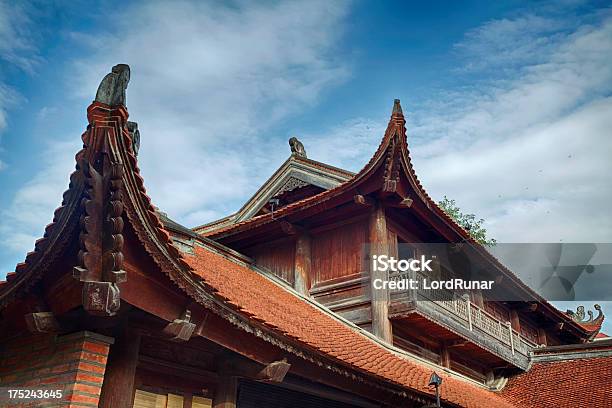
(515, 321)
(187, 400)
(444, 355)
(302, 268)
(118, 387)
(542, 336)
(379, 245)
(478, 299)
(226, 394)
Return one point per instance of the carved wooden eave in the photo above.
(108, 188)
(109, 146)
(297, 171)
(390, 176)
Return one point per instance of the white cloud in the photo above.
(529, 149)
(17, 45)
(17, 48)
(33, 205)
(531, 153)
(208, 80)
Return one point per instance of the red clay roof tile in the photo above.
(284, 312)
(579, 383)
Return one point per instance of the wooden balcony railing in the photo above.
(469, 314)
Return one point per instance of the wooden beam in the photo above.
(456, 343)
(379, 245)
(118, 387)
(303, 264)
(226, 394)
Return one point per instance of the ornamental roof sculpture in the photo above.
(111, 91)
(297, 148)
(579, 316)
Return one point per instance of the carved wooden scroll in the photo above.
(100, 258)
(392, 167)
(579, 315)
(42, 322)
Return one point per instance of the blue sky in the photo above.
(508, 103)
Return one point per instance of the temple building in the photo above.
(119, 306)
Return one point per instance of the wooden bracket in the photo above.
(363, 200)
(406, 202)
(456, 343)
(274, 372)
(42, 322)
(288, 228)
(101, 298)
(181, 329)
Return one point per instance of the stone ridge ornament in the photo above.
(100, 258)
(132, 128)
(297, 148)
(579, 315)
(111, 91)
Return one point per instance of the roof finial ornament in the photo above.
(580, 317)
(111, 91)
(397, 108)
(135, 134)
(297, 148)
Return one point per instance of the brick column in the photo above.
(73, 363)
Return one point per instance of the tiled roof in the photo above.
(294, 318)
(577, 383)
(395, 126)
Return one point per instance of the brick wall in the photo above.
(73, 363)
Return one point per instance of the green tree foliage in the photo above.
(468, 221)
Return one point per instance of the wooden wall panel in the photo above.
(278, 257)
(339, 252)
